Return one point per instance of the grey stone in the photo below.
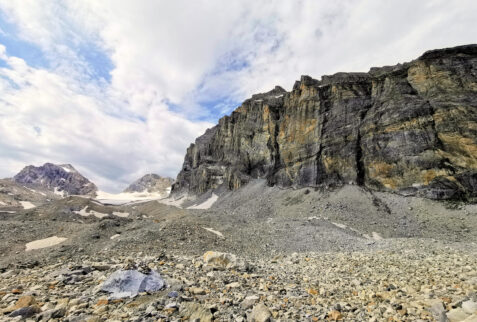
(131, 282)
(457, 315)
(438, 311)
(469, 307)
(195, 312)
(25, 312)
(249, 302)
(53, 314)
(260, 313)
(173, 294)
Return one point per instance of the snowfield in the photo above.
(85, 213)
(127, 197)
(206, 204)
(27, 204)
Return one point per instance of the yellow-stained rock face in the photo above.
(410, 128)
(461, 151)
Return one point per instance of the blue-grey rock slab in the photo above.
(128, 283)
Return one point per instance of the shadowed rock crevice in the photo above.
(360, 170)
(409, 128)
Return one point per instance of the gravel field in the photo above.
(345, 254)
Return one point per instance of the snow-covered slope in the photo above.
(129, 197)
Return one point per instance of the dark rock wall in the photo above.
(410, 128)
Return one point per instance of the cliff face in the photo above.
(410, 128)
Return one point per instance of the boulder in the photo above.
(457, 315)
(260, 313)
(469, 307)
(220, 260)
(128, 283)
(195, 312)
(22, 302)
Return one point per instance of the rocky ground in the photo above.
(408, 281)
(348, 254)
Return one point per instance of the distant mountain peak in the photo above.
(62, 179)
(150, 182)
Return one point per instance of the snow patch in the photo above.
(172, 202)
(27, 205)
(59, 192)
(114, 236)
(2, 203)
(121, 214)
(128, 197)
(206, 204)
(218, 233)
(339, 225)
(376, 236)
(65, 168)
(85, 213)
(42, 243)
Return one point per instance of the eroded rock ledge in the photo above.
(409, 128)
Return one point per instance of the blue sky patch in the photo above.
(19, 48)
(99, 62)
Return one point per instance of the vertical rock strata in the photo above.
(409, 128)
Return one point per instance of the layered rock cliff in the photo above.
(409, 128)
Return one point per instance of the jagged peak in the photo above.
(344, 77)
(274, 93)
(150, 182)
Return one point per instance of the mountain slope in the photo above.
(62, 179)
(409, 128)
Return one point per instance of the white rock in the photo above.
(457, 315)
(469, 307)
(260, 313)
(472, 318)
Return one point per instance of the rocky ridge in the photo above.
(409, 128)
(61, 179)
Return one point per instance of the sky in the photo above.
(120, 88)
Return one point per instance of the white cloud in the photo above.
(184, 53)
(45, 116)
